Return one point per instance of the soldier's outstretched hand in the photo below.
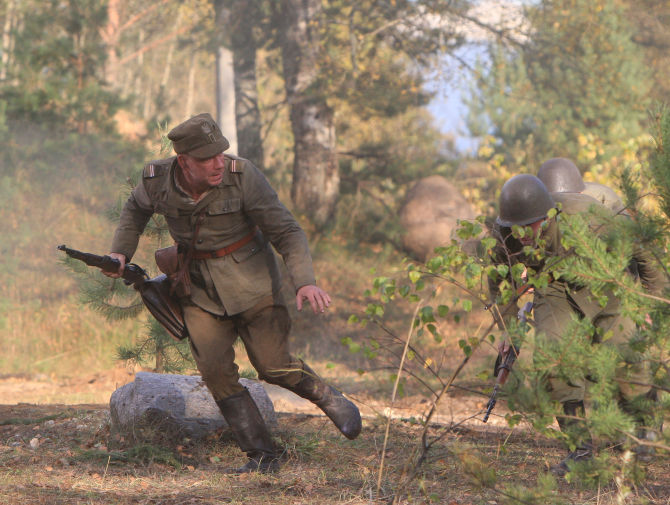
(316, 296)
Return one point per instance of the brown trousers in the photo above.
(553, 313)
(264, 331)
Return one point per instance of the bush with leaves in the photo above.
(444, 290)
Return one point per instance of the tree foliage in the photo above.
(651, 22)
(55, 75)
(577, 79)
(444, 292)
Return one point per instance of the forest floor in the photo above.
(56, 452)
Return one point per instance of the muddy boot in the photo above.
(583, 453)
(584, 449)
(250, 433)
(342, 412)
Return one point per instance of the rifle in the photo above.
(155, 293)
(503, 367)
(504, 363)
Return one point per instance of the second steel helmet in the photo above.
(560, 175)
(524, 199)
(605, 195)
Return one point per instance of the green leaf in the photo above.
(435, 263)
(426, 314)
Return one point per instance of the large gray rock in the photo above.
(175, 405)
(430, 213)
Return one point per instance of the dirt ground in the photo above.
(60, 452)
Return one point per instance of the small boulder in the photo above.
(430, 214)
(175, 405)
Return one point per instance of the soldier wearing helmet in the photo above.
(560, 175)
(526, 201)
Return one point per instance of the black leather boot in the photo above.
(250, 433)
(342, 412)
(584, 449)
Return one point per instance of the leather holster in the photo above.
(175, 264)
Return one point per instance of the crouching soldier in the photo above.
(526, 202)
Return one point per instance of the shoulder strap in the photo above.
(155, 176)
(157, 168)
(235, 163)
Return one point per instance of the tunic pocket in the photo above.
(246, 251)
(224, 207)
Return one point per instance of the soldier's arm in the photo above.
(262, 205)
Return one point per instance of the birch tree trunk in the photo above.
(244, 15)
(7, 40)
(225, 96)
(225, 77)
(316, 180)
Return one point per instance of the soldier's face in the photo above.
(526, 240)
(203, 173)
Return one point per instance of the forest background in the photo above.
(329, 98)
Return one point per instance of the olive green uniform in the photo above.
(556, 305)
(238, 293)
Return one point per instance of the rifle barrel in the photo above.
(132, 273)
(491, 404)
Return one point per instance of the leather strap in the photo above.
(181, 284)
(225, 251)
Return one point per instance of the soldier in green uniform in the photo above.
(225, 217)
(525, 201)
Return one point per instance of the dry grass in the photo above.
(48, 338)
(74, 459)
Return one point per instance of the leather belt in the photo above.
(224, 251)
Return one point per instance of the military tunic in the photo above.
(556, 305)
(244, 199)
(238, 294)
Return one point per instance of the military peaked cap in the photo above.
(199, 137)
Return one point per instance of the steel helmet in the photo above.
(605, 195)
(560, 175)
(524, 199)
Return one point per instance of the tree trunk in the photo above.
(110, 34)
(7, 41)
(244, 15)
(190, 90)
(225, 96)
(316, 179)
(225, 77)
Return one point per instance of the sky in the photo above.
(452, 84)
(448, 105)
